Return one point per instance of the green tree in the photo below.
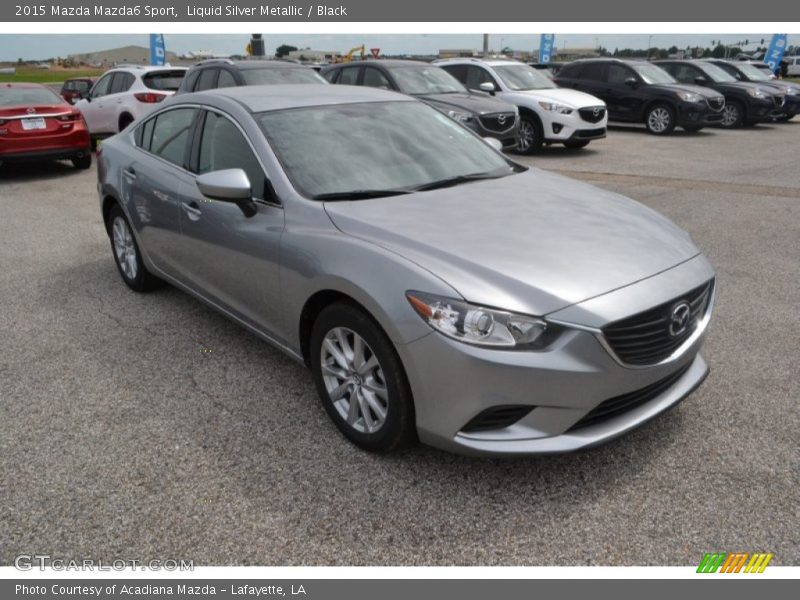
(283, 50)
(718, 51)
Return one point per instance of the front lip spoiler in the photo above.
(679, 351)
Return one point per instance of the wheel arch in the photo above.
(656, 101)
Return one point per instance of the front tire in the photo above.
(531, 135)
(660, 119)
(360, 379)
(127, 256)
(732, 114)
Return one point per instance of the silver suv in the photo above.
(436, 289)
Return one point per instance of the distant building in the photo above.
(456, 53)
(136, 55)
(319, 56)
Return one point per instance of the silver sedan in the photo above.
(437, 290)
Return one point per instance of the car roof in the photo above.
(260, 98)
(245, 65)
(492, 62)
(384, 62)
(144, 68)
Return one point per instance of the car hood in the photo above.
(778, 86)
(705, 92)
(533, 242)
(572, 98)
(474, 104)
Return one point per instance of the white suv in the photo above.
(548, 114)
(124, 94)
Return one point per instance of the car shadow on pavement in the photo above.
(36, 171)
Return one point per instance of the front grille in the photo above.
(592, 114)
(498, 121)
(716, 104)
(613, 407)
(779, 101)
(651, 336)
(497, 417)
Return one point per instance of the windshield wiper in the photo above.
(359, 194)
(458, 179)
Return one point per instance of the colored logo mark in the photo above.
(734, 562)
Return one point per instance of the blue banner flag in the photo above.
(157, 50)
(775, 53)
(546, 47)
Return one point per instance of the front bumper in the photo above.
(697, 114)
(453, 383)
(562, 128)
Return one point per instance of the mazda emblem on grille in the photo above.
(596, 111)
(501, 119)
(31, 110)
(679, 319)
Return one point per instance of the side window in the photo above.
(685, 73)
(331, 75)
(170, 134)
(222, 146)
(478, 75)
(457, 71)
(593, 71)
(191, 80)
(101, 87)
(207, 81)
(349, 76)
(225, 79)
(374, 78)
(617, 74)
(122, 83)
(145, 134)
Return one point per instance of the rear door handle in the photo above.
(192, 209)
(129, 173)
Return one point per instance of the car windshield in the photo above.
(523, 77)
(652, 74)
(363, 150)
(717, 74)
(164, 80)
(274, 76)
(426, 80)
(16, 96)
(753, 73)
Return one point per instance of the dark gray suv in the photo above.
(486, 116)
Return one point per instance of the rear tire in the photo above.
(127, 256)
(360, 379)
(660, 119)
(84, 162)
(576, 144)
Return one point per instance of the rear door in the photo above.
(226, 257)
(152, 181)
(121, 83)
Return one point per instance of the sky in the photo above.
(41, 46)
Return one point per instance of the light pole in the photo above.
(649, 45)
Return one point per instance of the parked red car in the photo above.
(37, 124)
(77, 88)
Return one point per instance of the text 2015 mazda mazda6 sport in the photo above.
(437, 290)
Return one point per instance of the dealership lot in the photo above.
(149, 427)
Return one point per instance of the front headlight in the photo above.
(757, 93)
(477, 325)
(459, 116)
(690, 97)
(555, 107)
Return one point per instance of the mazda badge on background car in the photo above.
(436, 289)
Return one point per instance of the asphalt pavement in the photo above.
(150, 427)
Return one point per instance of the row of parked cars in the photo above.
(521, 106)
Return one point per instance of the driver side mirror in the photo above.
(487, 86)
(228, 185)
(631, 82)
(700, 80)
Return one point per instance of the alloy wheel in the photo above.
(354, 380)
(730, 115)
(527, 135)
(659, 119)
(124, 248)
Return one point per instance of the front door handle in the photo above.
(192, 209)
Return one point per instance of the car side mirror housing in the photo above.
(487, 86)
(700, 80)
(494, 143)
(228, 185)
(631, 82)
